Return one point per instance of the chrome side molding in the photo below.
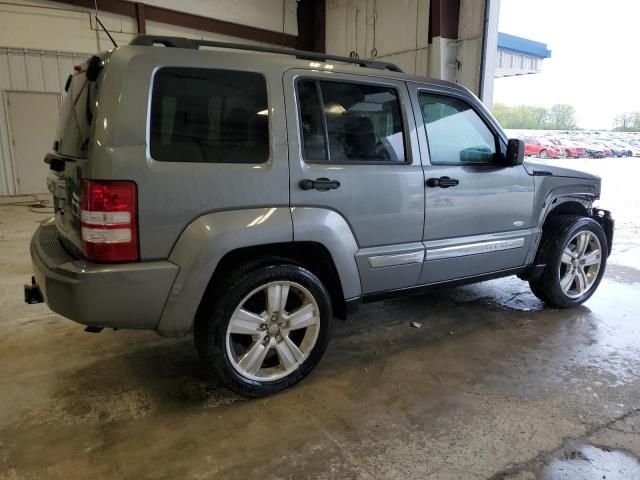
(474, 248)
(396, 259)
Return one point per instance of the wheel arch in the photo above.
(566, 206)
(201, 246)
(323, 242)
(311, 255)
(560, 202)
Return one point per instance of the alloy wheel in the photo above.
(273, 331)
(580, 264)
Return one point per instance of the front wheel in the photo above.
(544, 154)
(574, 250)
(267, 330)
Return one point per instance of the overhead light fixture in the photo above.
(263, 112)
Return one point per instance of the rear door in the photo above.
(478, 216)
(353, 150)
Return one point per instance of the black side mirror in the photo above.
(515, 151)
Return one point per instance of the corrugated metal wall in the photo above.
(28, 70)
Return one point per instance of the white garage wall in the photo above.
(399, 31)
(41, 41)
(362, 25)
(32, 70)
(267, 14)
(49, 25)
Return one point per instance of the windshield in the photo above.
(76, 117)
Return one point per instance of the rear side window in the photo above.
(344, 122)
(455, 132)
(210, 116)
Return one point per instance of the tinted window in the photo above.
(76, 116)
(456, 134)
(213, 116)
(350, 122)
(312, 121)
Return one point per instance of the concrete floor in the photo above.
(493, 385)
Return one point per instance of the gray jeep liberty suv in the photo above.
(251, 194)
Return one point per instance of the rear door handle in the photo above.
(322, 184)
(442, 182)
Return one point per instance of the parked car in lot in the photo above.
(569, 149)
(626, 149)
(537, 148)
(615, 150)
(552, 150)
(606, 151)
(595, 150)
(252, 198)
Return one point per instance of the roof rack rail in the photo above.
(181, 42)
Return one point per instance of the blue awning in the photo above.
(523, 45)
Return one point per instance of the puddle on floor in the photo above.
(586, 462)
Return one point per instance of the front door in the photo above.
(353, 150)
(478, 216)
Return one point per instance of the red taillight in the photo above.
(108, 215)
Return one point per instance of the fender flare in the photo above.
(200, 248)
(210, 237)
(329, 228)
(553, 199)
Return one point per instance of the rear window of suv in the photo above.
(209, 116)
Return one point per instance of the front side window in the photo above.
(455, 132)
(209, 116)
(343, 122)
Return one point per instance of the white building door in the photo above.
(33, 117)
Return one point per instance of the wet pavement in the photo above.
(493, 385)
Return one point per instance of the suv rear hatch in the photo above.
(95, 218)
(71, 147)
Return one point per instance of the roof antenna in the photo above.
(106, 31)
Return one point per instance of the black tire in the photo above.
(544, 154)
(210, 329)
(557, 234)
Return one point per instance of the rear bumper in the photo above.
(130, 295)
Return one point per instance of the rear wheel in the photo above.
(574, 250)
(544, 154)
(267, 330)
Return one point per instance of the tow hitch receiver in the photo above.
(32, 293)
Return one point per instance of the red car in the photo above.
(569, 150)
(536, 148)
